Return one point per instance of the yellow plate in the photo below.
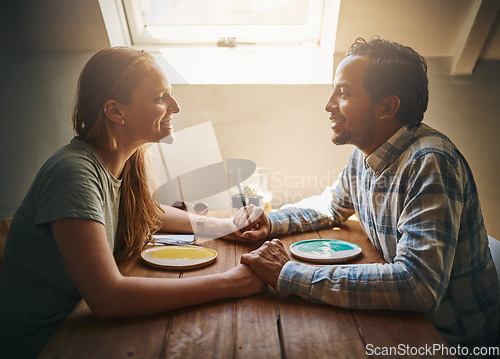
(179, 257)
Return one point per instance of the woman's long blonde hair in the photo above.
(114, 73)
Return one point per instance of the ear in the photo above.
(388, 107)
(112, 111)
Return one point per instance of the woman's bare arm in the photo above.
(90, 262)
(175, 220)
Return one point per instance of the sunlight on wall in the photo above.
(288, 65)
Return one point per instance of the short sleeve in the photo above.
(70, 188)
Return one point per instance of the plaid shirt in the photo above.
(417, 201)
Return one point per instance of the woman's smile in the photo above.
(167, 124)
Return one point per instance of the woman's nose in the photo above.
(174, 107)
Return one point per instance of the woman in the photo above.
(90, 205)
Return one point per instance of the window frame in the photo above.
(309, 62)
(311, 35)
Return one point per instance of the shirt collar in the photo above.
(383, 156)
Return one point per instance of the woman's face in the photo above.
(148, 115)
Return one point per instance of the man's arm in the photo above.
(417, 278)
(324, 210)
(365, 286)
(284, 221)
(331, 207)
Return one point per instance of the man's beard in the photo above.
(361, 135)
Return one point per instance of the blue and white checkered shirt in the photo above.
(417, 201)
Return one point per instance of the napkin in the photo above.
(174, 238)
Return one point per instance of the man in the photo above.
(414, 195)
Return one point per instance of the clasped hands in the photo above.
(268, 260)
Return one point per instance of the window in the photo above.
(225, 23)
(233, 41)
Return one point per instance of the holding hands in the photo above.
(267, 261)
(252, 223)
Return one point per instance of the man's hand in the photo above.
(252, 222)
(267, 261)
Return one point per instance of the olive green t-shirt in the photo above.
(36, 291)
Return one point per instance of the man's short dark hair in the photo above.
(398, 70)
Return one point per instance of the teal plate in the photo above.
(325, 250)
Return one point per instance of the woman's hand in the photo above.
(249, 224)
(243, 281)
(224, 228)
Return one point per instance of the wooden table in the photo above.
(261, 326)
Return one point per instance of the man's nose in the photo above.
(330, 104)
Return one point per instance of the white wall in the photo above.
(467, 109)
(282, 128)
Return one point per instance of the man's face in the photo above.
(352, 114)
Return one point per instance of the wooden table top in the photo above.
(261, 326)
